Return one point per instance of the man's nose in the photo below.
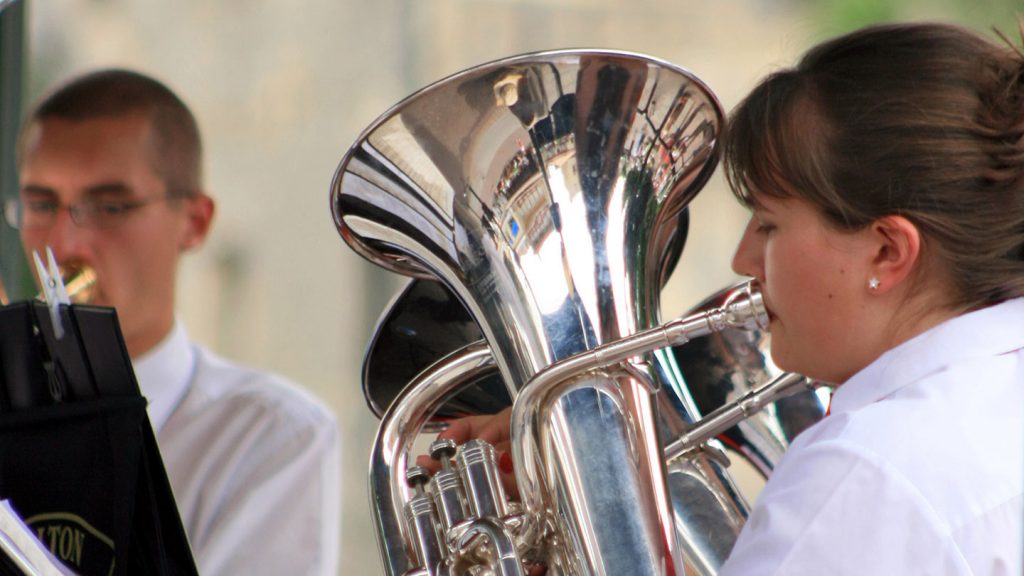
(67, 239)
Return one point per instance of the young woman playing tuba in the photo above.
(885, 172)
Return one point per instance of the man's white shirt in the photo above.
(253, 461)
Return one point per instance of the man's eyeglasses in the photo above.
(36, 214)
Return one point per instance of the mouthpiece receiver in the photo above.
(744, 309)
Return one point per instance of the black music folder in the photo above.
(78, 458)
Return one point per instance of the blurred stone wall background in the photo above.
(282, 88)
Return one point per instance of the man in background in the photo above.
(110, 170)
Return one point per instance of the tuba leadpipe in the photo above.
(710, 426)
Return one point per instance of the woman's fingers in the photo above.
(491, 428)
(428, 463)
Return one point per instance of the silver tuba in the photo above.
(540, 203)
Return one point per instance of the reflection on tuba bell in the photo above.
(540, 203)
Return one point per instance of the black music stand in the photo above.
(78, 457)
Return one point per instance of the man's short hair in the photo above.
(112, 93)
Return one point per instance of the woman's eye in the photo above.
(765, 228)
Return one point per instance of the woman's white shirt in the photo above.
(919, 469)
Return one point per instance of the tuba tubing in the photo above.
(413, 409)
(743, 309)
(398, 430)
(727, 416)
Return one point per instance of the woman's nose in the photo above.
(747, 261)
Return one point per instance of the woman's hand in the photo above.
(495, 430)
(491, 428)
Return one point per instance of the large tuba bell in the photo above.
(540, 202)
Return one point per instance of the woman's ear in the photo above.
(897, 254)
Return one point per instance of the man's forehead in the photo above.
(90, 152)
(101, 190)
(133, 128)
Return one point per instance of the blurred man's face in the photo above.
(127, 230)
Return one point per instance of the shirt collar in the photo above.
(986, 332)
(164, 374)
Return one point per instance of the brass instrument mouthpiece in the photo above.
(80, 283)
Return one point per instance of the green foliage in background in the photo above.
(838, 16)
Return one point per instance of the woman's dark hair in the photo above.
(920, 120)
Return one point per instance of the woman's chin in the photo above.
(783, 358)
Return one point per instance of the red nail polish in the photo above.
(505, 463)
